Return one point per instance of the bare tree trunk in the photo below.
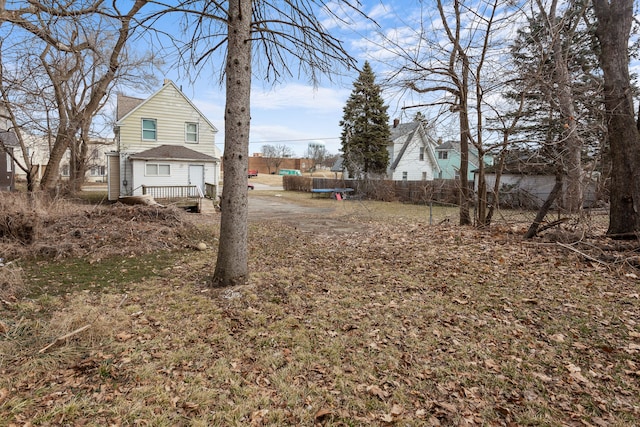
(465, 196)
(614, 25)
(573, 142)
(232, 263)
(542, 212)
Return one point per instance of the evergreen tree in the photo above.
(365, 128)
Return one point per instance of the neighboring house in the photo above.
(8, 142)
(411, 153)
(96, 160)
(38, 150)
(448, 154)
(527, 180)
(162, 141)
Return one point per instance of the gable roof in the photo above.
(126, 104)
(131, 102)
(402, 129)
(8, 138)
(172, 152)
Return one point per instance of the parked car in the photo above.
(253, 173)
(250, 186)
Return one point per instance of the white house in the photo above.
(411, 153)
(163, 140)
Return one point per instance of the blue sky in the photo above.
(294, 112)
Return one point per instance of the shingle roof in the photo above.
(8, 138)
(125, 104)
(172, 152)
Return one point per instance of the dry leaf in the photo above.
(322, 413)
(124, 336)
(257, 417)
(557, 338)
(376, 391)
(387, 418)
(396, 410)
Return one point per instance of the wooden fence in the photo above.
(439, 191)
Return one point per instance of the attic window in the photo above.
(149, 130)
(191, 132)
(421, 153)
(443, 155)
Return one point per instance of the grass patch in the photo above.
(391, 322)
(107, 275)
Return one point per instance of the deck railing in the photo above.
(210, 191)
(173, 191)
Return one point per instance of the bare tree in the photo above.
(460, 71)
(318, 154)
(78, 91)
(274, 155)
(614, 21)
(282, 33)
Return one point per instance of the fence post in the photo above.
(430, 212)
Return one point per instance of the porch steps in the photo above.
(207, 206)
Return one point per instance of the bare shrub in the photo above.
(40, 227)
(11, 281)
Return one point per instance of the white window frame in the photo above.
(443, 155)
(155, 129)
(405, 175)
(157, 171)
(98, 171)
(187, 133)
(422, 149)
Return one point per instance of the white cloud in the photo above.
(299, 96)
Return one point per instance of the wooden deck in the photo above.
(184, 196)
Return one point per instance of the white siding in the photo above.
(410, 161)
(179, 174)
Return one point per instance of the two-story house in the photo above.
(411, 153)
(448, 154)
(162, 141)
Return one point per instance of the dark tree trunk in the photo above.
(232, 263)
(614, 24)
(544, 209)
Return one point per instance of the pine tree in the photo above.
(365, 128)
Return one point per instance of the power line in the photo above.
(291, 140)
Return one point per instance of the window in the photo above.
(421, 153)
(424, 176)
(98, 171)
(64, 170)
(443, 155)
(404, 176)
(191, 132)
(156, 169)
(149, 130)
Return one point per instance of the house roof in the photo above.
(525, 163)
(403, 130)
(172, 152)
(133, 104)
(126, 104)
(338, 166)
(8, 138)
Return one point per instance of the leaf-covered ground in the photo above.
(386, 321)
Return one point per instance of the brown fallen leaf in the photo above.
(377, 391)
(322, 414)
(257, 417)
(124, 336)
(396, 410)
